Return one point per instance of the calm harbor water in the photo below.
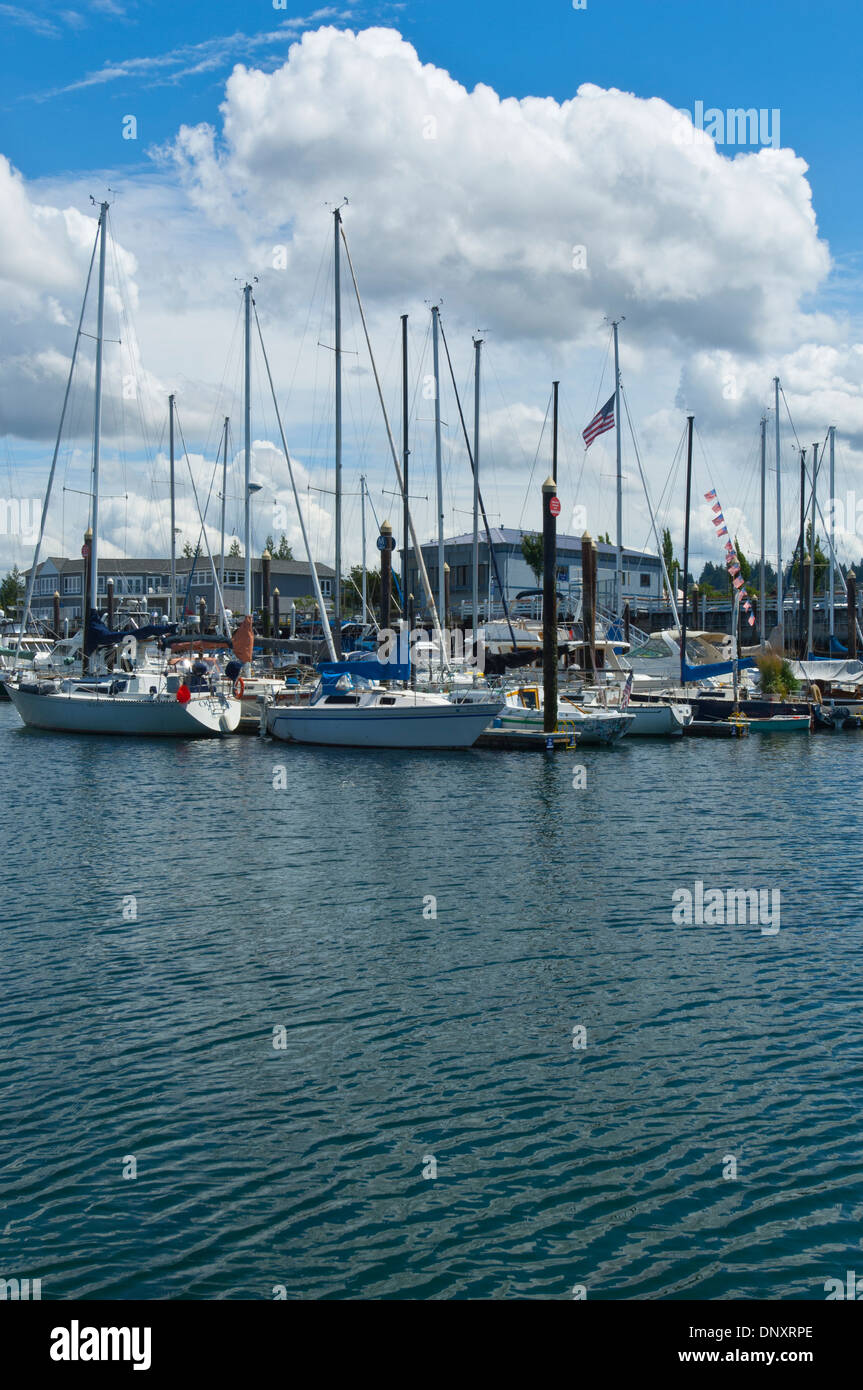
(411, 1041)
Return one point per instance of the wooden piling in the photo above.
(109, 592)
(56, 613)
(588, 614)
(550, 509)
(87, 552)
(265, 591)
(386, 575)
(446, 610)
(276, 626)
(851, 639)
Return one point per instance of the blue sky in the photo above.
(714, 262)
(794, 55)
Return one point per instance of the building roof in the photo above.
(154, 565)
(511, 535)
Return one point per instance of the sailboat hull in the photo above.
(456, 726)
(207, 717)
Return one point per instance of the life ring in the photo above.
(238, 688)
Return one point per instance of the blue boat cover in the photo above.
(713, 668)
(366, 670)
(98, 635)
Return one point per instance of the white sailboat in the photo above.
(367, 715)
(131, 704)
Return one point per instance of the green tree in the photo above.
(235, 551)
(353, 589)
(745, 567)
(821, 561)
(12, 590)
(188, 552)
(532, 550)
(270, 545)
(284, 551)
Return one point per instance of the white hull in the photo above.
(454, 726)
(159, 717)
(659, 721)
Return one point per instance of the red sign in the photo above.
(85, 550)
(554, 506)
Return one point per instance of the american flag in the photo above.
(627, 691)
(602, 421)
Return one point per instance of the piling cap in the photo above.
(446, 567)
(587, 538)
(851, 575)
(386, 528)
(56, 593)
(275, 593)
(88, 534)
(265, 555)
(549, 485)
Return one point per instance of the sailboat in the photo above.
(132, 704)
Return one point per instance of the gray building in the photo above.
(150, 580)
(642, 572)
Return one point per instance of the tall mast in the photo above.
(802, 543)
(810, 625)
(405, 459)
(690, 419)
(247, 427)
(173, 604)
(363, 524)
(780, 608)
(555, 388)
(337, 296)
(477, 347)
(224, 497)
(97, 421)
(832, 525)
(441, 601)
(618, 567)
(762, 589)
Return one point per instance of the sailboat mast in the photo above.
(477, 347)
(172, 608)
(97, 420)
(831, 522)
(224, 498)
(802, 547)
(810, 632)
(441, 599)
(405, 462)
(690, 419)
(363, 526)
(618, 566)
(780, 607)
(337, 297)
(762, 590)
(247, 431)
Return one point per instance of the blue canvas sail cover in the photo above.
(365, 670)
(98, 635)
(712, 668)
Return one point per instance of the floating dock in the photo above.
(525, 741)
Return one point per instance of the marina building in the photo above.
(642, 572)
(150, 579)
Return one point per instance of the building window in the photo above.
(200, 577)
(234, 579)
(71, 583)
(326, 587)
(645, 581)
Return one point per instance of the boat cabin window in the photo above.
(388, 699)
(342, 700)
(529, 698)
